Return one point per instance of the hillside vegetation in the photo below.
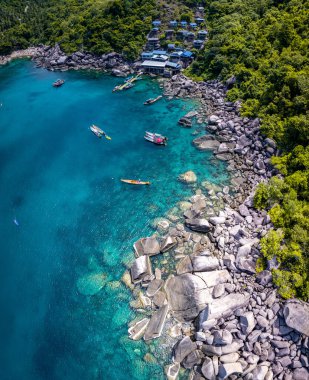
(265, 46)
(97, 26)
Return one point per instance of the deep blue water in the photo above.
(62, 184)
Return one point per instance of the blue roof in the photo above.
(159, 52)
(187, 54)
(174, 22)
(156, 22)
(193, 24)
(203, 32)
(183, 22)
(173, 65)
(155, 29)
(171, 46)
(146, 54)
(199, 19)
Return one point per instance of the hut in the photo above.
(156, 23)
(202, 34)
(199, 20)
(181, 34)
(183, 24)
(198, 44)
(190, 36)
(173, 24)
(193, 25)
(169, 33)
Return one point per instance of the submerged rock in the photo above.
(188, 177)
(91, 284)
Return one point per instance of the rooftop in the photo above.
(157, 64)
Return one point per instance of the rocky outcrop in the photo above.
(149, 246)
(296, 316)
(141, 269)
(156, 323)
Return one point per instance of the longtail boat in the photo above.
(135, 182)
(155, 138)
(58, 83)
(151, 101)
(98, 132)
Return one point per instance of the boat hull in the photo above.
(135, 182)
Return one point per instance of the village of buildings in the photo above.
(180, 41)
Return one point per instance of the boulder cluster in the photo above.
(54, 59)
(228, 320)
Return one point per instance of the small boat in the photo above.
(155, 138)
(151, 100)
(135, 182)
(128, 85)
(98, 132)
(58, 83)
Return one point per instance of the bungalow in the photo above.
(193, 25)
(173, 24)
(175, 56)
(190, 36)
(186, 55)
(202, 34)
(159, 57)
(181, 34)
(156, 23)
(170, 47)
(183, 24)
(153, 43)
(173, 67)
(199, 20)
(169, 33)
(146, 55)
(201, 9)
(198, 44)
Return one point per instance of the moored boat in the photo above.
(98, 132)
(155, 138)
(58, 83)
(135, 182)
(152, 100)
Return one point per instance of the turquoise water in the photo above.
(75, 217)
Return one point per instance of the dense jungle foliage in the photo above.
(264, 44)
(97, 26)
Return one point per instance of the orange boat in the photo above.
(135, 182)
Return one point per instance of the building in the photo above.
(146, 55)
(175, 56)
(156, 23)
(173, 24)
(153, 43)
(193, 25)
(187, 55)
(199, 20)
(202, 34)
(190, 37)
(183, 24)
(171, 47)
(181, 34)
(198, 44)
(160, 68)
(169, 34)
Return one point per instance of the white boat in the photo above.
(155, 138)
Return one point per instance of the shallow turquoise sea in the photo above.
(62, 185)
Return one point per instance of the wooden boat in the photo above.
(98, 132)
(151, 100)
(155, 138)
(135, 182)
(58, 83)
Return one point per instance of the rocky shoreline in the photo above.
(228, 321)
(54, 59)
(223, 320)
